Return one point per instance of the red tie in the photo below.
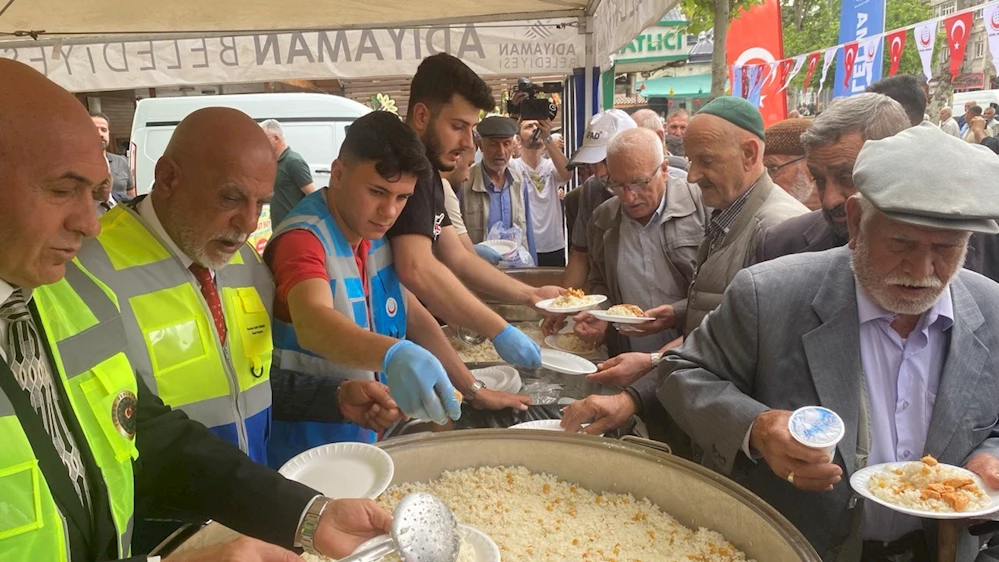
(211, 295)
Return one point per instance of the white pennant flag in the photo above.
(830, 56)
(926, 36)
(799, 61)
(991, 18)
(871, 53)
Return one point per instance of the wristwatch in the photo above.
(474, 389)
(548, 140)
(310, 522)
(656, 358)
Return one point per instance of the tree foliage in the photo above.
(706, 14)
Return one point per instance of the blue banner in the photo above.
(859, 19)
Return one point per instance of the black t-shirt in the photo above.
(424, 213)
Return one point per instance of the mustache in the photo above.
(233, 237)
(900, 279)
(839, 211)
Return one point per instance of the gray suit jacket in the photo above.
(786, 335)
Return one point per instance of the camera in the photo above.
(535, 108)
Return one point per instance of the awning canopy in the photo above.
(676, 86)
(111, 44)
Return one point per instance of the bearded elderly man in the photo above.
(831, 145)
(784, 158)
(890, 333)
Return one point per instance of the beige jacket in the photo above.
(767, 206)
(475, 204)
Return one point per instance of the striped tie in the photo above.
(31, 371)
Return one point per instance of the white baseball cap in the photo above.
(599, 132)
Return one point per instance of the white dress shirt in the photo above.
(6, 290)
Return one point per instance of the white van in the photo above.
(314, 126)
(982, 97)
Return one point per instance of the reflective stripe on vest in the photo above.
(387, 296)
(173, 342)
(82, 320)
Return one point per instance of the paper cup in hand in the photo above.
(818, 428)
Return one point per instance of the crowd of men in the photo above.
(154, 364)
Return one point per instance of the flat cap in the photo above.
(926, 177)
(498, 126)
(784, 137)
(738, 112)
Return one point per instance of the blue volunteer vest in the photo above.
(386, 315)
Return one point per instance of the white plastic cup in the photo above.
(818, 428)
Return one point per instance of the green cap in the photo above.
(738, 112)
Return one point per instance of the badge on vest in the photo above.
(123, 413)
(391, 307)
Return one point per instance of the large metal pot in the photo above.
(695, 496)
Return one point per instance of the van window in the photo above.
(316, 142)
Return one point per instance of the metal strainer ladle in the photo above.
(423, 530)
(468, 338)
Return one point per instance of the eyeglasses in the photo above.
(773, 169)
(634, 186)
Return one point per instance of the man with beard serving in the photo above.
(889, 333)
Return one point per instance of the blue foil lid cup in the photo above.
(816, 427)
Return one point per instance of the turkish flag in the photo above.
(756, 37)
(783, 69)
(813, 60)
(849, 58)
(958, 29)
(896, 44)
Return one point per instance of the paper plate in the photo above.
(567, 363)
(548, 425)
(594, 301)
(602, 315)
(342, 470)
(860, 479)
(501, 378)
(483, 546)
(552, 342)
(503, 247)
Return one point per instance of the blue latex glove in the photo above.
(515, 347)
(488, 254)
(418, 383)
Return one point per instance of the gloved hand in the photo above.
(515, 347)
(418, 383)
(488, 254)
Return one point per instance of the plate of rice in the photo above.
(926, 488)
(574, 300)
(622, 314)
(571, 343)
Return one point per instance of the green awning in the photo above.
(679, 86)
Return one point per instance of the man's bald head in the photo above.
(725, 159)
(212, 181)
(52, 161)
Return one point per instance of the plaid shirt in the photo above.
(723, 219)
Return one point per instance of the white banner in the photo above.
(830, 56)
(617, 22)
(511, 49)
(799, 61)
(991, 18)
(926, 36)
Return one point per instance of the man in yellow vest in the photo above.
(84, 440)
(195, 297)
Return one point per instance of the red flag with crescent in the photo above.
(756, 37)
(813, 60)
(896, 44)
(849, 58)
(958, 29)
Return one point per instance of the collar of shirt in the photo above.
(942, 310)
(722, 220)
(148, 213)
(284, 153)
(488, 183)
(6, 290)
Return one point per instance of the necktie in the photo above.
(211, 294)
(31, 371)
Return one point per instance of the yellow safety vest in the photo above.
(83, 330)
(172, 340)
